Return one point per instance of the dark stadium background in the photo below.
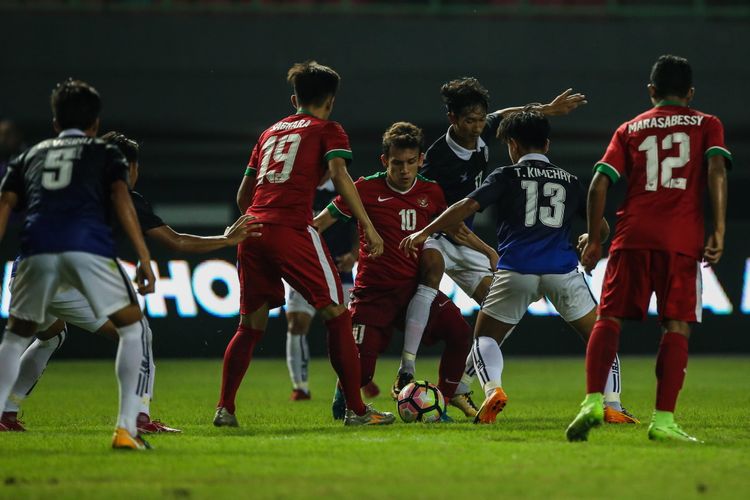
(196, 82)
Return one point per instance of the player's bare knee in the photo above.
(256, 320)
(22, 327)
(126, 316)
(108, 331)
(332, 311)
(480, 292)
(675, 326)
(431, 268)
(51, 332)
(298, 323)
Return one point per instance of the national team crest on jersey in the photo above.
(423, 202)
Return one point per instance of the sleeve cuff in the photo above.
(338, 153)
(608, 170)
(718, 150)
(337, 214)
(249, 171)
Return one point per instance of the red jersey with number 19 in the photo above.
(395, 215)
(288, 162)
(663, 153)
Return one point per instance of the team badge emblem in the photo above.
(423, 202)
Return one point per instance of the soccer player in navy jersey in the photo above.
(457, 161)
(69, 186)
(670, 155)
(69, 305)
(537, 203)
(288, 162)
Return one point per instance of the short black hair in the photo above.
(403, 135)
(464, 94)
(75, 104)
(529, 128)
(129, 147)
(671, 76)
(313, 83)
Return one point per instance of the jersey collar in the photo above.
(534, 156)
(71, 132)
(462, 152)
(398, 190)
(670, 103)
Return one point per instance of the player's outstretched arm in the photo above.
(345, 187)
(465, 236)
(597, 197)
(455, 214)
(180, 242)
(8, 201)
(717, 193)
(584, 238)
(122, 204)
(560, 105)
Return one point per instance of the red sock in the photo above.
(236, 360)
(671, 363)
(344, 357)
(458, 337)
(600, 353)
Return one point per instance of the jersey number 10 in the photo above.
(275, 146)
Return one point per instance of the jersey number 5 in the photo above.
(650, 146)
(274, 147)
(58, 168)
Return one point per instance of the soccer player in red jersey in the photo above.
(669, 154)
(399, 202)
(287, 164)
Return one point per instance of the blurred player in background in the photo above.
(69, 305)
(343, 244)
(286, 165)
(399, 201)
(669, 154)
(69, 186)
(537, 203)
(457, 161)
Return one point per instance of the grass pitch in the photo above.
(294, 449)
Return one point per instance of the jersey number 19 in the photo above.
(274, 147)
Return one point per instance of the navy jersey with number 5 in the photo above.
(63, 184)
(537, 202)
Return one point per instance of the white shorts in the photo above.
(296, 303)
(464, 265)
(100, 281)
(71, 306)
(511, 294)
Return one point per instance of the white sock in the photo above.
(11, 349)
(145, 403)
(612, 388)
(132, 368)
(417, 316)
(488, 361)
(33, 363)
(467, 378)
(297, 360)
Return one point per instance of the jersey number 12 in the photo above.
(650, 146)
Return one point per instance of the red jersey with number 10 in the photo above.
(395, 215)
(288, 162)
(663, 154)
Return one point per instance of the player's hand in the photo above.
(591, 255)
(346, 262)
(582, 242)
(564, 103)
(241, 229)
(713, 249)
(374, 247)
(144, 278)
(494, 259)
(410, 245)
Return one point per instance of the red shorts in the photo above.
(632, 275)
(297, 255)
(376, 313)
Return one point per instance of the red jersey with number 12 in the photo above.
(288, 162)
(663, 153)
(395, 215)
